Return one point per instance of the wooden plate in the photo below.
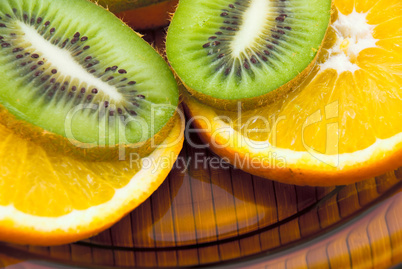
(207, 213)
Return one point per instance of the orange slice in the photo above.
(343, 124)
(50, 199)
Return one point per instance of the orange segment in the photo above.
(354, 131)
(12, 160)
(382, 101)
(384, 10)
(70, 184)
(344, 6)
(392, 44)
(364, 5)
(389, 28)
(292, 129)
(374, 59)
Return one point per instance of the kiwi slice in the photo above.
(227, 51)
(74, 74)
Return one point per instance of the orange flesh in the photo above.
(67, 182)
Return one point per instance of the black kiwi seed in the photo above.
(253, 59)
(64, 43)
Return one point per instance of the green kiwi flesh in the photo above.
(75, 70)
(240, 49)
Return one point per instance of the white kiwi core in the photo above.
(254, 20)
(65, 63)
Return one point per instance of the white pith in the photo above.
(339, 161)
(64, 62)
(354, 35)
(254, 20)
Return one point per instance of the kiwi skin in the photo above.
(55, 143)
(268, 98)
(143, 14)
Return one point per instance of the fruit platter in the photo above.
(250, 134)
